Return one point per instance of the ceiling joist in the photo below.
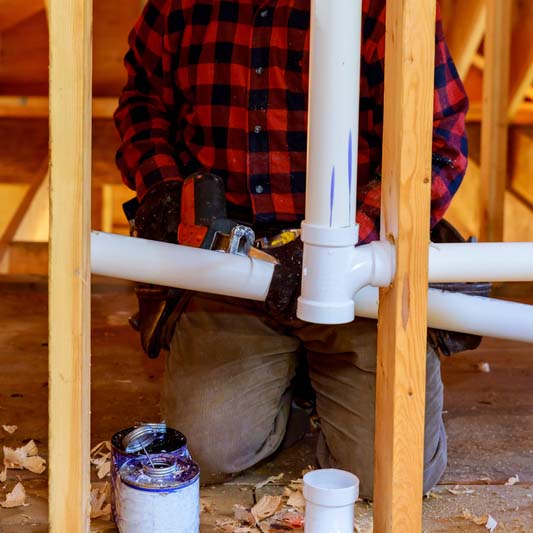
(521, 56)
(15, 11)
(465, 31)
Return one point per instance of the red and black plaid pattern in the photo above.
(222, 86)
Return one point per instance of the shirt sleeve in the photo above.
(449, 146)
(148, 104)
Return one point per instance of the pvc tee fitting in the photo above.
(330, 497)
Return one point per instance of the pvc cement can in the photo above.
(142, 441)
(158, 494)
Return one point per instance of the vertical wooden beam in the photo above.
(69, 267)
(406, 184)
(494, 126)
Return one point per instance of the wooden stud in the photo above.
(522, 117)
(521, 73)
(464, 32)
(69, 267)
(494, 126)
(406, 184)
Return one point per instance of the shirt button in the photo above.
(257, 129)
(259, 189)
(264, 13)
(259, 70)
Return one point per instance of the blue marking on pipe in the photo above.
(331, 196)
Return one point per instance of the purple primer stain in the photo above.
(331, 196)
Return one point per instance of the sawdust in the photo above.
(206, 506)
(484, 520)
(101, 502)
(101, 458)
(267, 506)
(15, 498)
(513, 480)
(9, 429)
(26, 457)
(271, 479)
(457, 491)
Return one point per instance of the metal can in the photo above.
(146, 439)
(158, 494)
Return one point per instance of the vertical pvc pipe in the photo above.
(329, 231)
(335, 62)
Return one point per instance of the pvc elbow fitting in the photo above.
(330, 497)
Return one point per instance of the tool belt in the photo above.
(451, 342)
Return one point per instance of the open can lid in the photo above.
(142, 436)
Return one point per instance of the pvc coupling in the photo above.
(330, 497)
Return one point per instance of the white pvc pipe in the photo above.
(330, 497)
(329, 231)
(185, 267)
(494, 261)
(334, 71)
(195, 269)
(467, 314)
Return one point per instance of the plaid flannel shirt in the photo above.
(222, 86)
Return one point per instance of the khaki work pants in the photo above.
(228, 389)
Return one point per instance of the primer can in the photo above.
(140, 441)
(158, 494)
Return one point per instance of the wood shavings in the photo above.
(513, 480)
(242, 514)
(295, 499)
(101, 458)
(3, 475)
(265, 507)
(459, 491)
(483, 367)
(228, 525)
(287, 520)
(15, 498)
(271, 479)
(485, 520)
(206, 506)
(9, 429)
(100, 502)
(25, 457)
(433, 495)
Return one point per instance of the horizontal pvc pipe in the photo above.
(185, 267)
(468, 314)
(483, 261)
(195, 269)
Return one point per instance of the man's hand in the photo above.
(285, 286)
(158, 215)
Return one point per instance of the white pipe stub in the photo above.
(330, 497)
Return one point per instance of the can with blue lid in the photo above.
(153, 478)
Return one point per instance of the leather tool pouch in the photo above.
(451, 342)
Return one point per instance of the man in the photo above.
(221, 87)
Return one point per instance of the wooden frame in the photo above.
(69, 270)
(406, 185)
(494, 125)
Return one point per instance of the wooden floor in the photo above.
(489, 416)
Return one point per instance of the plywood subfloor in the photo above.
(489, 416)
